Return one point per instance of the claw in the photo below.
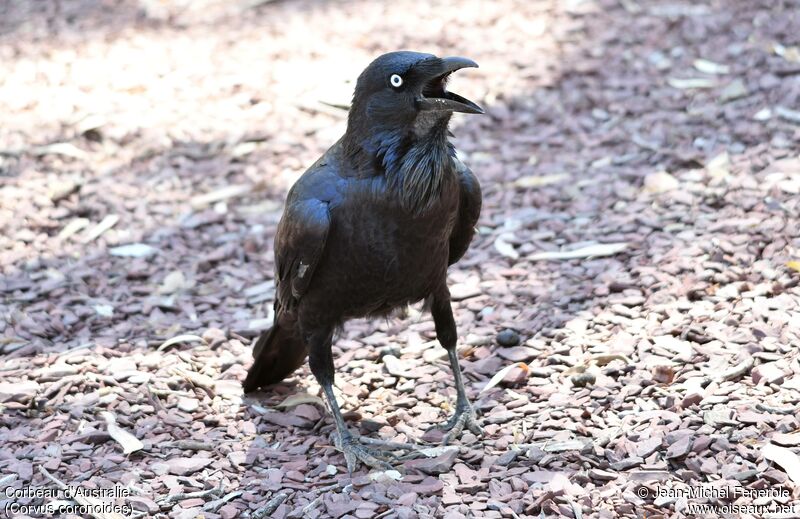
(354, 452)
(463, 417)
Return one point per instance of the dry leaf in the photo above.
(709, 67)
(794, 265)
(505, 248)
(660, 182)
(129, 442)
(104, 310)
(736, 89)
(788, 53)
(133, 250)
(223, 193)
(793, 116)
(180, 338)
(718, 168)
(765, 114)
(602, 359)
(386, 476)
(591, 251)
(784, 458)
(432, 452)
(691, 83)
(105, 224)
(538, 180)
(78, 224)
(300, 398)
(173, 282)
(64, 149)
(502, 373)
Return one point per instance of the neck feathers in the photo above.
(414, 164)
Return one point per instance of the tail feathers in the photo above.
(277, 353)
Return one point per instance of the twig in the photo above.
(313, 504)
(738, 370)
(90, 502)
(270, 507)
(59, 484)
(325, 488)
(190, 495)
(389, 445)
(192, 445)
(776, 410)
(213, 506)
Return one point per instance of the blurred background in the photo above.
(641, 177)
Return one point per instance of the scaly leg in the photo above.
(321, 362)
(447, 335)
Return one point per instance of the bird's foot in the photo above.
(463, 417)
(354, 452)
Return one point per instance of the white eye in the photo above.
(396, 80)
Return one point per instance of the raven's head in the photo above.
(398, 123)
(405, 91)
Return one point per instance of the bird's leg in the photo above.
(321, 362)
(447, 335)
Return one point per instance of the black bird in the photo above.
(372, 226)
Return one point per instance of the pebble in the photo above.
(508, 338)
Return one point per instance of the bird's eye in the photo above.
(396, 81)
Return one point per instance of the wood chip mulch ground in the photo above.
(635, 275)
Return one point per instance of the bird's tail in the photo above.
(277, 353)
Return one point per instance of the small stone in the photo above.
(660, 182)
(602, 475)
(663, 374)
(786, 439)
(187, 404)
(188, 513)
(186, 466)
(627, 463)
(691, 399)
(229, 512)
(407, 499)
(768, 373)
(506, 458)
(745, 475)
(680, 448)
(734, 90)
(397, 367)
(584, 379)
(701, 443)
(648, 447)
(535, 454)
(442, 463)
(214, 336)
(143, 504)
(21, 391)
(237, 457)
(391, 349)
(775, 476)
(517, 353)
(508, 338)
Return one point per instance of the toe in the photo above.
(355, 453)
(474, 428)
(455, 431)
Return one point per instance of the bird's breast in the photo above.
(380, 256)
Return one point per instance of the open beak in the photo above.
(434, 95)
